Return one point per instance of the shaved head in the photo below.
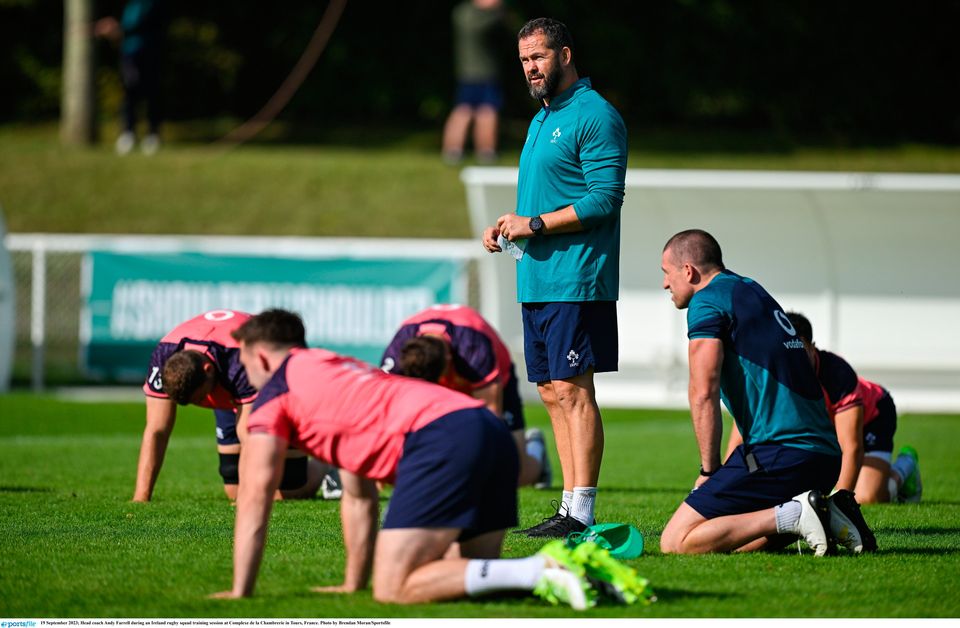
(695, 247)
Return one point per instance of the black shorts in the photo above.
(459, 471)
(878, 433)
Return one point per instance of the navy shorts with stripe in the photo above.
(563, 340)
(878, 433)
(226, 427)
(780, 474)
(459, 471)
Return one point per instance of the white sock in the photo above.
(788, 517)
(501, 574)
(536, 450)
(565, 502)
(893, 486)
(581, 508)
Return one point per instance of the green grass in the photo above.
(72, 545)
(360, 182)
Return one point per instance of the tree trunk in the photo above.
(77, 119)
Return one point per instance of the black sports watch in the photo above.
(536, 225)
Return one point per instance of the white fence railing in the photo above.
(48, 268)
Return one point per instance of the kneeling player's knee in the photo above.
(294, 473)
(387, 594)
(230, 468)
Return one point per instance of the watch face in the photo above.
(536, 224)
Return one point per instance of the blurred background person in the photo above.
(141, 32)
(476, 27)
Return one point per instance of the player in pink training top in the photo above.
(866, 420)
(454, 346)
(453, 464)
(199, 363)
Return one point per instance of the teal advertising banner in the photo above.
(352, 306)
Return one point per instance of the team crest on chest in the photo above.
(556, 135)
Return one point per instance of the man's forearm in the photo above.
(359, 516)
(708, 428)
(152, 451)
(253, 515)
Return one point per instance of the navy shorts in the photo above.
(563, 340)
(485, 93)
(777, 475)
(878, 433)
(226, 427)
(459, 471)
(512, 405)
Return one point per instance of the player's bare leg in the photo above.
(409, 566)
(315, 472)
(485, 133)
(689, 532)
(455, 132)
(873, 481)
(584, 427)
(558, 422)
(530, 467)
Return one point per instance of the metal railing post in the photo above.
(38, 312)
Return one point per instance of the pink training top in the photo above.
(480, 357)
(208, 333)
(870, 393)
(349, 413)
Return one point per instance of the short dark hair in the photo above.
(697, 247)
(183, 375)
(277, 327)
(557, 34)
(802, 325)
(424, 357)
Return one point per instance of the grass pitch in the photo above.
(73, 545)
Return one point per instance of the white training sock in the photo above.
(565, 501)
(501, 574)
(893, 486)
(788, 517)
(581, 508)
(536, 449)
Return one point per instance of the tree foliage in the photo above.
(852, 71)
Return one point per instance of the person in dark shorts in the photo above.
(454, 346)
(565, 236)
(452, 462)
(866, 419)
(744, 350)
(477, 27)
(198, 363)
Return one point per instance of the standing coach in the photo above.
(567, 226)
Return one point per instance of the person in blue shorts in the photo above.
(565, 234)
(744, 351)
(477, 25)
